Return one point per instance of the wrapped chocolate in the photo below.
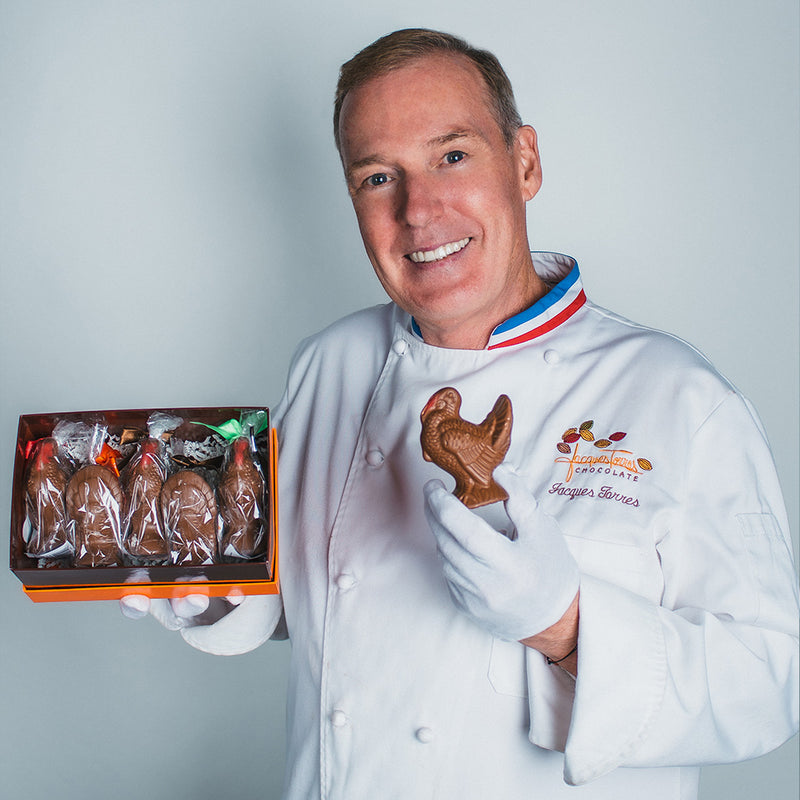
(46, 480)
(241, 494)
(94, 505)
(189, 510)
(145, 538)
(242, 489)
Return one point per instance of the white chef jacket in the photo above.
(662, 482)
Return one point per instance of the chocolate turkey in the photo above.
(468, 451)
(45, 486)
(241, 500)
(145, 538)
(190, 516)
(94, 504)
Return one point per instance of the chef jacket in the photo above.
(662, 482)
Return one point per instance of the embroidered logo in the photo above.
(583, 453)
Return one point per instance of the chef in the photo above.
(628, 614)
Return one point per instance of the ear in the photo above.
(530, 165)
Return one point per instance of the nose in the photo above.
(419, 201)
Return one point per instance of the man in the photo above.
(641, 609)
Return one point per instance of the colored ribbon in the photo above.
(234, 428)
(108, 457)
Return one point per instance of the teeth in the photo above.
(420, 256)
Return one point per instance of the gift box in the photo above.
(196, 447)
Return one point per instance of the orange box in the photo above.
(56, 583)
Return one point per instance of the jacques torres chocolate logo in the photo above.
(583, 453)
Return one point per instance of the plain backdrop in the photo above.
(173, 220)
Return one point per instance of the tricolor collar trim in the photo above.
(547, 313)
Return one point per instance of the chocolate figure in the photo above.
(467, 451)
(94, 504)
(190, 517)
(145, 538)
(241, 499)
(45, 486)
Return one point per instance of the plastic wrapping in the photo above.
(145, 538)
(94, 505)
(242, 488)
(46, 481)
(242, 498)
(190, 516)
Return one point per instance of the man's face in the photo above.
(440, 198)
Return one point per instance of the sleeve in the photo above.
(711, 674)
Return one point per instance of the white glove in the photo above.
(249, 621)
(172, 614)
(513, 589)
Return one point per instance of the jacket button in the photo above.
(552, 356)
(345, 582)
(374, 458)
(338, 719)
(424, 735)
(400, 347)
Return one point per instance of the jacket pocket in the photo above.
(507, 669)
(623, 565)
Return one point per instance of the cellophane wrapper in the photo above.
(94, 504)
(242, 498)
(190, 516)
(145, 539)
(47, 527)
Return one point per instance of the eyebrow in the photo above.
(452, 137)
(436, 141)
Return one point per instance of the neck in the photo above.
(473, 333)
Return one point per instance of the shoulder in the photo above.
(655, 369)
(369, 329)
(650, 349)
(354, 346)
(358, 327)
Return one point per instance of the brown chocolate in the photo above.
(94, 504)
(189, 510)
(145, 537)
(469, 452)
(45, 486)
(241, 500)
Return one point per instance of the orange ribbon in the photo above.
(108, 457)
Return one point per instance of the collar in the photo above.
(563, 299)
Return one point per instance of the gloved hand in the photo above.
(513, 589)
(172, 614)
(242, 625)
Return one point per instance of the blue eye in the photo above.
(378, 179)
(455, 156)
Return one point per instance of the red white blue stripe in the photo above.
(550, 311)
(564, 298)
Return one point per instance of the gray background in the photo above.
(173, 220)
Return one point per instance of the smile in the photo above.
(420, 256)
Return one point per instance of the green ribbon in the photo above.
(234, 428)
